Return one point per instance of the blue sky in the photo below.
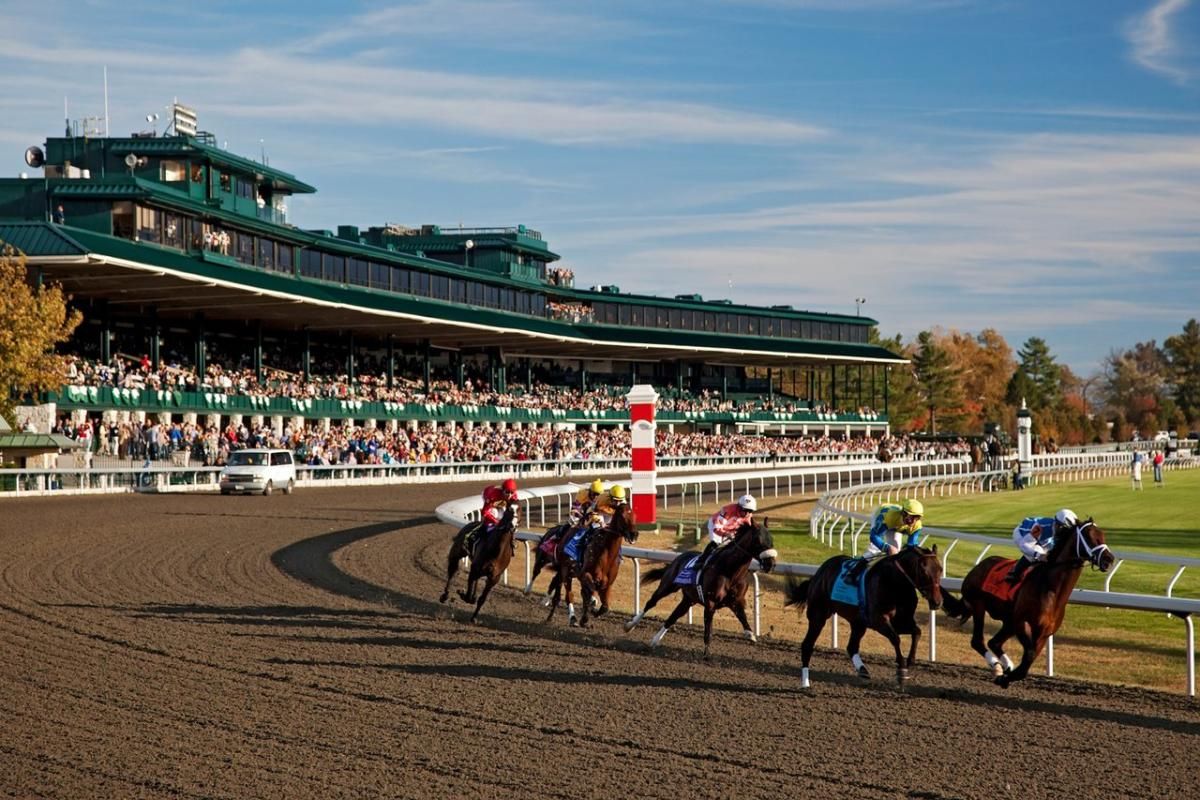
(1030, 166)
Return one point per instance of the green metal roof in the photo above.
(187, 145)
(39, 239)
(37, 441)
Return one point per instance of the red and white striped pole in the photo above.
(642, 400)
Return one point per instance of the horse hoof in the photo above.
(445, 596)
(862, 673)
(464, 597)
(1002, 681)
(574, 623)
(902, 677)
(630, 625)
(997, 670)
(546, 603)
(601, 611)
(749, 635)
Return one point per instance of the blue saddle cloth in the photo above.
(852, 593)
(687, 575)
(573, 545)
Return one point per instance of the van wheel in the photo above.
(224, 491)
(291, 484)
(270, 487)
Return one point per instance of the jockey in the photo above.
(1035, 536)
(585, 501)
(600, 515)
(495, 502)
(724, 524)
(892, 523)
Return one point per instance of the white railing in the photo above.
(950, 474)
(165, 476)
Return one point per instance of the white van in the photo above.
(259, 470)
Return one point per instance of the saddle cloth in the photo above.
(574, 547)
(849, 591)
(687, 575)
(995, 585)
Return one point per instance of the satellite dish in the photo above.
(131, 161)
(34, 157)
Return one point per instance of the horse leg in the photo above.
(680, 610)
(977, 641)
(571, 619)
(908, 626)
(452, 562)
(556, 587)
(665, 587)
(539, 561)
(552, 589)
(487, 589)
(816, 623)
(996, 646)
(709, 610)
(586, 590)
(857, 631)
(605, 590)
(1032, 645)
(738, 607)
(890, 632)
(472, 580)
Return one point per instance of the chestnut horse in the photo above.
(722, 583)
(1035, 610)
(489, 560)
(892, 585)
(597, 568)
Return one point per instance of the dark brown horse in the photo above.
(490, 558)
(892, 585)
(722, 583)
(1034, 611)
(560, 534)
(597, 568)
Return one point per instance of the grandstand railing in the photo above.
(216, 402)
(949, 477)
(162, 476)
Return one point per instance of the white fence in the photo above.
(858, 485)
(162, 476)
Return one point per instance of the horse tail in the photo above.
(954, 607)
(655, 574)
(796, 593)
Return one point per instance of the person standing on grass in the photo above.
(1157, 462)
(1137, 470)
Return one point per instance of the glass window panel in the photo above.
(335, 268)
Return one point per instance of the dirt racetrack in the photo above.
(228, 647)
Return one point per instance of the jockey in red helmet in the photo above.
(496, 500)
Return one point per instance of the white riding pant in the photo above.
(1029, 547)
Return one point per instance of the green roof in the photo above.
(36, 441)
(40, 238)
(187, 145)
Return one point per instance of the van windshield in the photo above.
(247, 459)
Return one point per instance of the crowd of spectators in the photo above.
(572, 312)
(138, 373)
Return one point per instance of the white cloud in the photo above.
(1153, 40)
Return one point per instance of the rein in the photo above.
(1092, 553)
(923, 591)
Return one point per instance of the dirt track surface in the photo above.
(231, 647)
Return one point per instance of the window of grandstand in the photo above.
(243, 247)
(173, 230)
(266, 253)
(335, 268)
(147, 224)
(358, 272)
(172, 171)
(310, 263)
(245, 188)
(284, 261)
(226, 182)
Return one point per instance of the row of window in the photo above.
(687, 319)
(181, 232)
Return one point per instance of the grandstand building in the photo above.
(171, 244)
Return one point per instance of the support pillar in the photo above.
(583, 376)
(460, 370)
(425, 347)
(201, 349)
(833, 388)
(770, 385)
(155, 343)
(106, 334)
(350, 360)
(887, 373)
(391, 362)
(306, 356)
(258, 353)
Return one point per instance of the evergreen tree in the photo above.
(939, 384)
(1183, 354)
(1038, 379)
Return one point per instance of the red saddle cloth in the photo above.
(994, 584)
(550, 545)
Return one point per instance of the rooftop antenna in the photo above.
(106, 100)
(152, 118)
(66, 116)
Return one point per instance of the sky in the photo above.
(1024, 165)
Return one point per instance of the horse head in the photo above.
(1090, 546)
(625, 523)
(757, 540)
(923, 569)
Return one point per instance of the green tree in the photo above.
(1135, 384)
(1183, 357)
(904, 406)
(1038, 379)
(939, 383)
(33, 321)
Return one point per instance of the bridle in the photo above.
(735, 544)
(924, 591)
(1085, 551)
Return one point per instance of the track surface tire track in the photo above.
(226, 647)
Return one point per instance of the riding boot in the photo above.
(1014, 575)
(703, 562)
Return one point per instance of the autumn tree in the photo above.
(33, 320)
(1135, 382)
(984, 362)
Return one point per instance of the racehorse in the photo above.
(597, 567)
(541, 560)
(1035, 610)
(891, 586)
(722, 582)
(490, 558)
